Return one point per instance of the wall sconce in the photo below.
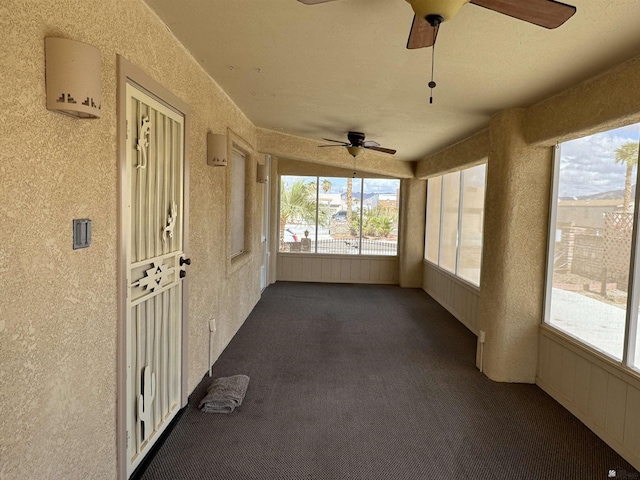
(73, 77)
(262, 174)
(216, 150)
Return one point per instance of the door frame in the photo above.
(265, 234)
(129, 73)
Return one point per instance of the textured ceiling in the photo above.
(320, 71)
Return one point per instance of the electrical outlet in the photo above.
(482, 336)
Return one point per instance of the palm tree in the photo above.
(324, 211)
(297, 203)
(627, 154)
(326, 185)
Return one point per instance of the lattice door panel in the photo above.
(617, 244)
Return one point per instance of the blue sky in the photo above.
(588, 165)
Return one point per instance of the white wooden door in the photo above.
(154, 219)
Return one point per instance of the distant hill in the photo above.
(610, 195)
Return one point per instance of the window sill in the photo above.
(236, 262)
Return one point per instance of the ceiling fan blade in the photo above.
(383, 150)
(421, 35)
(324, 146)
(370, 143)
(337, 141)
(545, 13)
(314, 2)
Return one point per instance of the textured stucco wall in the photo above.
(608, 101)
(296, 167)
(512, 278)
(58, 315)
(413, 202)
(472, 150)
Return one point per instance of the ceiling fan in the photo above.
(429, 14)
(356, 144)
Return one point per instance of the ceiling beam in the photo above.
(470, 151)
(603, 103)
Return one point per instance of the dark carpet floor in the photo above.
(372, 382)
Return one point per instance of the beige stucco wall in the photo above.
(514, 250)
(58, 315)
(296, 167)
(413, 202)
(471, 151)
(608, 101)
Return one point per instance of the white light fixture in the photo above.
(73, 77)
(355, 151)
(216, 150)
(262, 175)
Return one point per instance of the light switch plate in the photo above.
(81, 233)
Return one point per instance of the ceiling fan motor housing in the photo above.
(356, 138)
(446, 9)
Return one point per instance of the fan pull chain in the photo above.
(432, 84)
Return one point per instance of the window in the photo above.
(455, 218)
(449, 221)
(238, 174)
(342, 216)
(471, 223)
(589, 290)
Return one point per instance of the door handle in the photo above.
(185, 261)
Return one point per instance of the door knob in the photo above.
(185, 261)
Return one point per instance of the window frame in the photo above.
(233, 214)
(444, 220)
(238, 261)
(461, 217)
(633, 293)
(359, 200)
(461, 180)
(429, 206)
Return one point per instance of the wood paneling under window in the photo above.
(299, 267)
(603, 397)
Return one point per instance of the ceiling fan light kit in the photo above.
(355, 151)
(446, 9)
